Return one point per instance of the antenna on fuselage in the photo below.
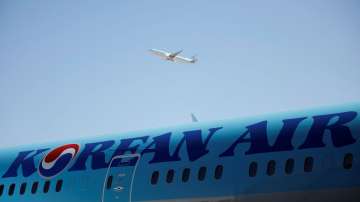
(193, 118)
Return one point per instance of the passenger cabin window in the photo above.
(348, 161)
(155, 177)
(58, 185)
(1, 189)
(202, 173)
(46, 186)
(289, 166)
(185, 175)
(22, 188)
(253, 169)
(308, 164)
(109, 182)
(11, 189)
(271, 168)
(170, 176)
(218, 172)
(34, 187)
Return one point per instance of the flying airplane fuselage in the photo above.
(305, 156)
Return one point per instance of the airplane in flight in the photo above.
(305, 156)
(174, 57)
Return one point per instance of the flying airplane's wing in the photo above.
(172, 55)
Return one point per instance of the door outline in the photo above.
(132, 177)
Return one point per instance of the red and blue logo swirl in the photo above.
(56, 160)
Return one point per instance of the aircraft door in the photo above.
(119, 178)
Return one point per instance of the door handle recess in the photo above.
(118, 189)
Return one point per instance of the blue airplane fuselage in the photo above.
(299, 156)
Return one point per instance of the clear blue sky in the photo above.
(81, 68)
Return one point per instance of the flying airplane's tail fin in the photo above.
(194, 59)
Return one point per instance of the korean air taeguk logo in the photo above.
(56, 160)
